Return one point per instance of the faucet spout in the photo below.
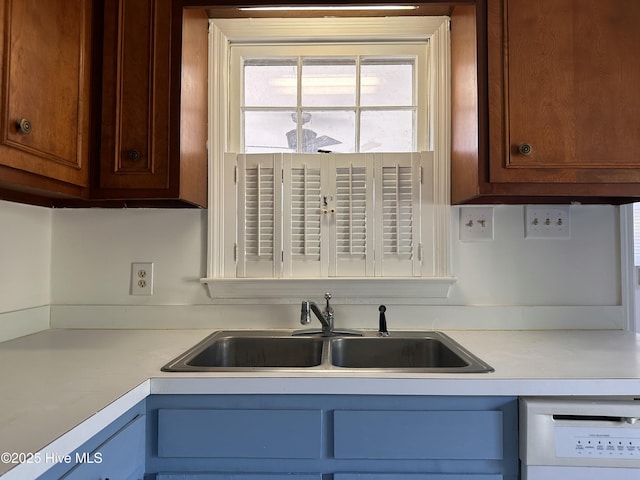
(325, 316)
(305, 314)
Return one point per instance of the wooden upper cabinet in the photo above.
(570, 102)
(558, 102)
(563, 87)
(144, 152)
(45, 81)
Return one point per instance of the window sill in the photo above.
(391, 290)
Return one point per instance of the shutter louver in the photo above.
(351, 211)
(304, 253)
(305, 212)
(636, 234)
(398, 214)
(259, 182)
(259, 213)
(397, 211)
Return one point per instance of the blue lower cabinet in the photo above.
(239, 433)
(120, 457)
(414, 476)
(235, 476)
(331, 437)
(438, 434)
(117, 452)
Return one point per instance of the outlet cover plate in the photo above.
(547, 221)
(142, 278)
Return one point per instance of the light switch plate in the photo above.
(476, 224)
(547, 221)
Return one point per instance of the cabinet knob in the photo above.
(133, 155)
(525, 149)
(24, 126)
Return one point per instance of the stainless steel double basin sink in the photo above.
(255, 350)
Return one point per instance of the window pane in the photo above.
(270, 83)
(328, 82)
(386, 82)
(329, 130)
(267, 132)
(386, 131)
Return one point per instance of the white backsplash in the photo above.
(78, 261)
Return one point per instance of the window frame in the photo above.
(365, 290)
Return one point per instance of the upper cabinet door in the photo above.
(45, 49)
(154, 103)
(564, 102)
(135, 101)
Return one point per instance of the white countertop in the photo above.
(59, 380)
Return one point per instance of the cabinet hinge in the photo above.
(235, 252)
(235, 174)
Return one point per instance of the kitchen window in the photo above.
(342, 98)
(329, 159)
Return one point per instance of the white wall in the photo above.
(511, 282)
(25, 269)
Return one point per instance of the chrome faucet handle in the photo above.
(328, 309)
(305, 313)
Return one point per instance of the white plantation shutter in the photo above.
(636, 234)
(304, 252)
(346, 215)
(351, 221)
(259, 193)
(398, 214)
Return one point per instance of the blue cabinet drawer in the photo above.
(460, 434)
(230, 433)
(239, 476)
(415, 476)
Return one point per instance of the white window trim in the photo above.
(347, 290)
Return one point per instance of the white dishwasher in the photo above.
(578, 438)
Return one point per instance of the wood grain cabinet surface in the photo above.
(563, 107)
(45, 52)
(154, 103)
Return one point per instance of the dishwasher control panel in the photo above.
(598, 442)
(574, 432)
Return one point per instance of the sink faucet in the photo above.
(325, 316)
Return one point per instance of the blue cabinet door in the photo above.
(121, 457)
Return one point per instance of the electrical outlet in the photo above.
(476, 224)
(547, 221)
(142, 279)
